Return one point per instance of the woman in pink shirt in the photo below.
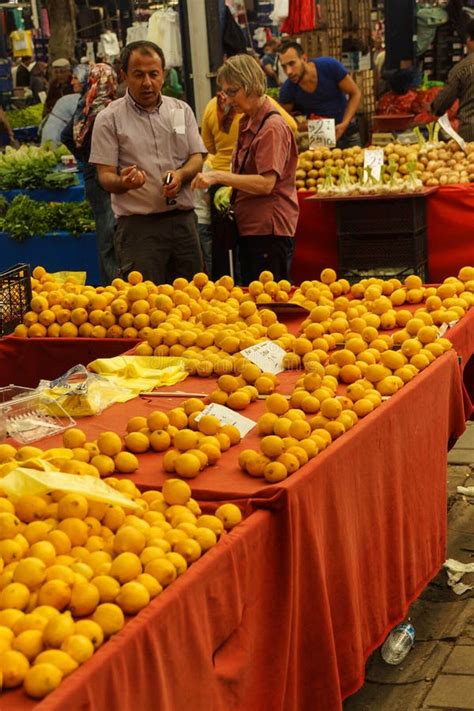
(263, 173)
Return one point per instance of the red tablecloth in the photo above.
(286, 611)
(450, 243)
(462, 338)
(24, 361)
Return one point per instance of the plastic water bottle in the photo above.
(398, 643)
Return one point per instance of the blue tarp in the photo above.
(57, 251)
(72, 194)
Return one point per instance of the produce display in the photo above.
(73, 568)
(406, 168)
(417, 102)
(29, 116)
(356, 345)
(32, 167)
(24, 218)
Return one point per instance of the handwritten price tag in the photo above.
(447, 128)
(373, 159)
(321, 132)
(226, 416)
(267, 355)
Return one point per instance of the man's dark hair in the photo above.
(470, 30)
(291, 44)
(143, 47)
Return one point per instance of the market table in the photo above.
(328, 562)
(24, 361)
(450, 244)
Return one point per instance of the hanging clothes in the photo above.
(281, 10)
(22, 43)
(138, 31)
(301, 18)
(90, 54)
(233, 38)
(109, 48)
(428, 19)
(163, 30)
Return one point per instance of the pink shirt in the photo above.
(156, 142)
(272, 150)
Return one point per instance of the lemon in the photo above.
(91, 630)
(10, 525)
(109, 617)
(14, 595)
(161, 569)
(13, 666)
(229, 514)
(29, 643)
(59, 659)
(176, 491)
(133, 597)
(58, 628)
(41, 679)
(79, 647)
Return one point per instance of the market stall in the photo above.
(297, 577)
(449, 241)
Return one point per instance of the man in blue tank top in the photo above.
(322, 88)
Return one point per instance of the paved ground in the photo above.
(438, 673)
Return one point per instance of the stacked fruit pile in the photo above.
(342, 169)
(357, 337)
(71, 568)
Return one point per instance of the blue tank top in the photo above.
(327, 100)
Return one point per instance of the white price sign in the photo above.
(321, 132)
(226, 416)
(447, 128)
(373, 159)
(267, 355)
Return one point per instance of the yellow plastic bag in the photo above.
(79, 277)
(23, 481)
(141, 373)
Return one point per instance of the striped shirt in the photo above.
(460, 85)
(155, 141)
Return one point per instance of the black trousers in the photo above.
(258, 253)
(162, 246)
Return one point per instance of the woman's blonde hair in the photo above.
(245, 71)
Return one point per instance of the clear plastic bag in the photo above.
(81, 393)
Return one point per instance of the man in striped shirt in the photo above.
(460, 85)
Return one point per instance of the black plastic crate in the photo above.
(353, 275)
(370, 252)
(396, 217)
(15, 297)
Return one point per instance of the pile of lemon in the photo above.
(342, 342)
(190, 440)
(72, 568)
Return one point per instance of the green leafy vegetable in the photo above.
(26, 218)
(29, 116)
(28, 166)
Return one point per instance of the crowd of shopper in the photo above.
(151, 175)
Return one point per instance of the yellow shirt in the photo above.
(221, 145)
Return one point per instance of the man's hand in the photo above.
(171, 189)
(341, 128)
(132, 178)
(203, 181)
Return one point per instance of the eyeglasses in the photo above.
(231, 92)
